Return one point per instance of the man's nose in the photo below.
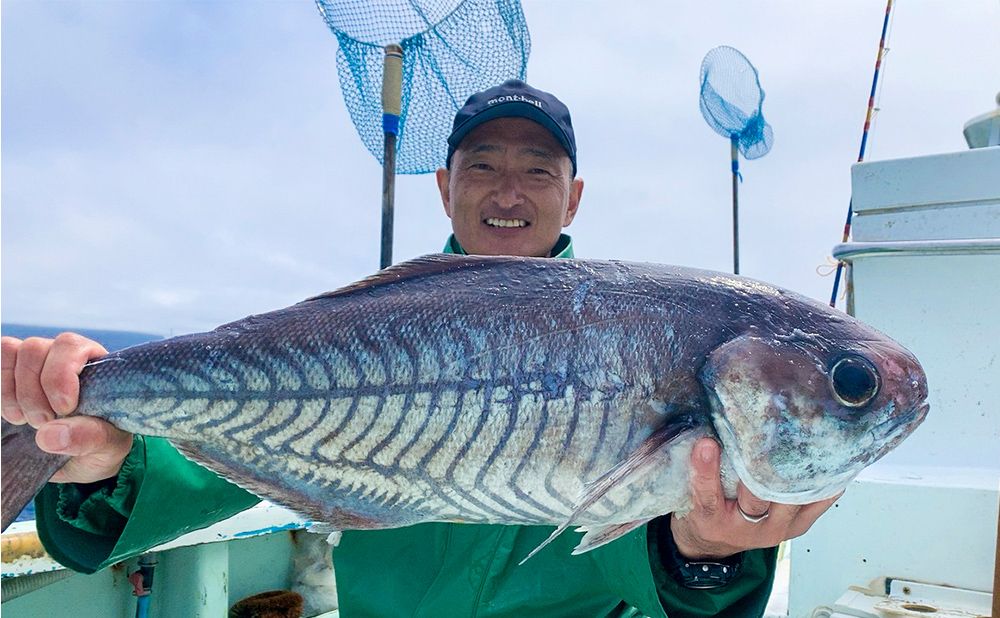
(509, 193)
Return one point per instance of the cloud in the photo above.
(169, 298)
(171, 166)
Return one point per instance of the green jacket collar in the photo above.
(562, 249)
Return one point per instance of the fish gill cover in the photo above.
(451, 49)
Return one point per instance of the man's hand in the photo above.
(41, 386)
(715, 528)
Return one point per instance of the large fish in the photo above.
(515, 391)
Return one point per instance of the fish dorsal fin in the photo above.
(645, 458)
(424, 266)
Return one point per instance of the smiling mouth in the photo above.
(497, 222)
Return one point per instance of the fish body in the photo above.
(520, 391)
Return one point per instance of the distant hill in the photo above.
(110, 339)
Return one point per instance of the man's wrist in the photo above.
(106, 485)
(690, 548)
(694, 571)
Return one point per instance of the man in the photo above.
(509, 187)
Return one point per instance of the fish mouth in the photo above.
(503, 222)
(898, 424)
(922, 410)
(898, 428)
(805, 497)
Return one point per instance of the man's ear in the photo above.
(575, 192)
(442, 176)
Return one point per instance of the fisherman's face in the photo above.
(510, 189)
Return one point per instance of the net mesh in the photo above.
(451, 49)
(731, 101)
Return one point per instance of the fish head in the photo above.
(799, 416)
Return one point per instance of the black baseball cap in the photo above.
(514, 99)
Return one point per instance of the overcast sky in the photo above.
(170, 166)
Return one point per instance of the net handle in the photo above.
(392, 80)
(392, 101)
(734, 155)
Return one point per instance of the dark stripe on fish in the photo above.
(588, 470)
(433, 451)
(460, 459)
(411, 357)
(317, 449)
(526, 457)
(565, 501)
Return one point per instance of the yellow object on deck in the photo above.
(20, 545)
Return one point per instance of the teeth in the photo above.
(495, 222)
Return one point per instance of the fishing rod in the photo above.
(735, 154)
(864, 143)
(392, 98)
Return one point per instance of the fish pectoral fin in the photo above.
(639, 463)
(551, 538)
(601, 535)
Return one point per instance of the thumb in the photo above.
(706, 486)
(83, 435)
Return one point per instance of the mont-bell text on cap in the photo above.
(514, 98)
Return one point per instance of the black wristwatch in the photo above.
(696, 574)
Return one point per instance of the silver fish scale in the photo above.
(515, 390)
(425, 411)
(433, 414)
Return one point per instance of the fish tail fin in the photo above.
(24, 469)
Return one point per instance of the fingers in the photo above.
(60, 376)
(695, 534)
(79, 435)
(41, 386)
(8, 397)
(27, 381)
(807, 515)
(750, 504)
(41, 376)
(98, 448)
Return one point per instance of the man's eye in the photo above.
(480, 166)
(539, 170)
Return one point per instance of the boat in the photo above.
(924, 267)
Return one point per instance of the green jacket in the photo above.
(424, 570)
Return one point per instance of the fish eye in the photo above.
(854, 381)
